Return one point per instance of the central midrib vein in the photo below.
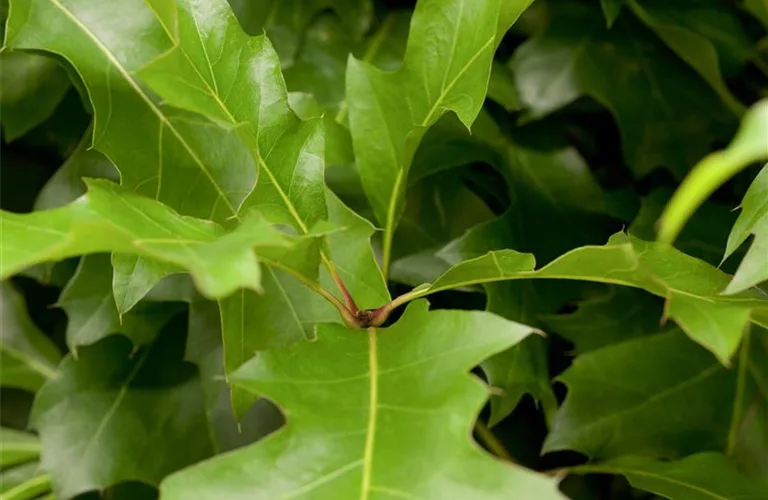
(160, 115)
(373, 403)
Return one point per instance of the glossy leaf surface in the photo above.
(396, 382)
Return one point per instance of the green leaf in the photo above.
(759, 9)
(66, 185)
(194, 166)
(18, 447)
(90, 306)
(659, 396)
(389, 112)
(746, 147)
(109, 218)
(121, 415)
(753, 219)
(285, 21)
(29, 357)
(703, 476)
(31, 488)
(15, 476)
(204, 348)
(611, 10)
(363, 407)
(691, 287)
(31, 86)
(615, 316)
(501, 88)
(219, 71)
(691, 46)
(667, 114)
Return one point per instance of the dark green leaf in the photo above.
(703, 476)
(667, 113)
(660, 396)
(31, 86)
(29, 357)
(121, 415)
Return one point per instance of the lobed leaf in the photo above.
(697, 477)
(365, 410)
(667, 114)
(121, 415)
(389, 112)
(111, 219)
(691, 287)
(659, 396)
(29, 357)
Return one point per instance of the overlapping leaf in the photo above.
(92, 313)
(215, 69)
(703, 476)
(668, 115)
(691, 287)
(119, 416)
(196, 167)
(29, 357)
(753, 220)
(31, 86)
(366, 410)
(110, 219)
(660, 396)
(389, 112)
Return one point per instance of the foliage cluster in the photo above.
(378, 249)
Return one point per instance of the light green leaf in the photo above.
(703, 476)
(219, 71)
(109, 218)
(691, 46)
(15, 476)
(121, 415)
(659, 396)
(192, 165)
(389, 112)
(29, 357)
(362, 408)
(690, 286)
(753, 219)
(31, 86)
(134, 276)
(668, 115)
(31, 488)
(17, 447)
(746, 147)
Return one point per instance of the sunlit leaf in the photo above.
(351, 402)
(389, 112)
(110, 219)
